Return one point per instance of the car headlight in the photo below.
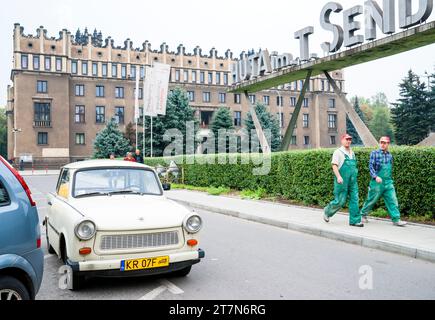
(193, 224)
(85, 230)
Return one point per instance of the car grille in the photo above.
(139, 241)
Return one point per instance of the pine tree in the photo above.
(350, 127)
(222, 120)
(431, 104)
(267, 121)
(130, 133)
(413, 115)
(110, 140)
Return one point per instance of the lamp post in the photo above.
(280, 114)
(15, 131)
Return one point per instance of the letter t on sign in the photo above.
(302, 35)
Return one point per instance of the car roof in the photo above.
(105, 163)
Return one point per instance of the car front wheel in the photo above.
(12, 289)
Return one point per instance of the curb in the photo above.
(370, 243)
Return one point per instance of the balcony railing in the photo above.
(42, 124)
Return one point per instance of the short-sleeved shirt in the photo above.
(338, 156)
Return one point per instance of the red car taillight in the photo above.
(20, 180)
(38, 243)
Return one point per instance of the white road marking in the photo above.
(154, 293)
(165, 285)
(171, 287)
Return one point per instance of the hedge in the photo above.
(306, 176)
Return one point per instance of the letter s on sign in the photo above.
(326, 24)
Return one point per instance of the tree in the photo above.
(130, 133)
(413, 115)
(178, 114)
(110, 140)
(380, 125)
(3, 133)
(350, 127)
(222, 119)
(267, 121)
(379, 100)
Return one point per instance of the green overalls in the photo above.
(386, 190)
(349, 173)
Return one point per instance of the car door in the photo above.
(57, 209)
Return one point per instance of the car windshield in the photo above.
(113, 181)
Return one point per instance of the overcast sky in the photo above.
(225, 24)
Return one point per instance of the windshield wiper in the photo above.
(125, 192)
(92, 194)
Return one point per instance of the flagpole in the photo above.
(136, 103)
(151, 136)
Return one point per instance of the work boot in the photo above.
(400, 223)
(359, 225)
(325, 217)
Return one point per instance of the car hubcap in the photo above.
(9, 294)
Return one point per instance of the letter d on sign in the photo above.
(366, 278)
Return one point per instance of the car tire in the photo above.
(183, 272)
(49, 247)
(14, 286)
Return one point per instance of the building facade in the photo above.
(62, 93)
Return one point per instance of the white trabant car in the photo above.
(110, 218)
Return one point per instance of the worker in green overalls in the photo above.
(382, 184)
(344, 166)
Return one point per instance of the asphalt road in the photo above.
(247, 260)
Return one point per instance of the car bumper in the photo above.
(112, 268)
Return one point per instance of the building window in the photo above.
(142, 73)
(42, 138)
(332, 140)
(41, 86)
(279, 101)
(36, 65)
(114, 70)
(140, 93)
(119, 115)
(58, 64)
(194, 76)
(225, 79)
(202, 77)
(80, 114)
(218, 78)
(306, 120)
(331, 103)
(100, 113)
(84, 68)
(252, 98)
(47, 63)
(280, 116)
(133, 72)
(332, 121)
(206, 97)
(266, 100)
(104, 70)
(293, 141)
(237, 98)
(186, 76)
(323, 85)
(222, 97)
(305, 103)
(74, 67)
(292, 101)
(210, 78)
(80, 138)
(191, 95)
(42, 115)
(24, 62)
(124, 72)
(80, 90)
(306, 140)
(99, 91)
(177, 75)
(94, 69)
(119, 92)
(237, 118)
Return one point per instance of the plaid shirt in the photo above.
(376, 159)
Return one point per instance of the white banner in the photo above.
(136, 96)
(156, 85)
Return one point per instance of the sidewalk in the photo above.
(27, 173)
(416, 241)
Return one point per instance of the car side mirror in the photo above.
(166, 186)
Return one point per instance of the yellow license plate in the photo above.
(147, 263)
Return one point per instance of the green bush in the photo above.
(306, 176)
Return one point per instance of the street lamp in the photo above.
(280, 113)
(15, 131)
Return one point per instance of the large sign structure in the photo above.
(261, 71)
